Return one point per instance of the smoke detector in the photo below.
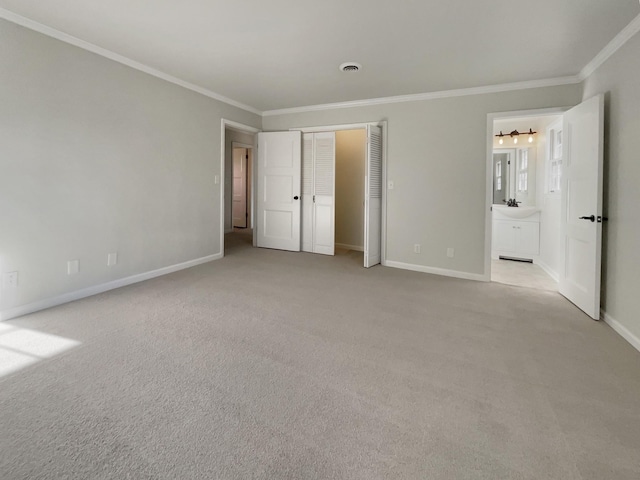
(350, 67)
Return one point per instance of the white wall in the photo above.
(619, 78)
(96, 157)
(230, 137)
(440, 179)
(350, 163)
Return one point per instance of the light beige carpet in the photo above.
(275, 365)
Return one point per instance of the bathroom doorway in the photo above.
(526, 203)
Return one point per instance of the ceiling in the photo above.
(273, 54)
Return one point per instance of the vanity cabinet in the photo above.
(518, 238)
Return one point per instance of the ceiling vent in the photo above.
(350, 67)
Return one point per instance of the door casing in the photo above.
(357, 126)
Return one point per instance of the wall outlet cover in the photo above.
(10, 280)
(112, 259)
(450, 252)
(73, 267)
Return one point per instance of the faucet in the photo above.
(512, 202)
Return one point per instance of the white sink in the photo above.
(515, 212)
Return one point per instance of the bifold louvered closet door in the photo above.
(318, 192)
(373, 198)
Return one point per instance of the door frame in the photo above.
(239, 127)
(491, 117)
(358, 126)
(249, 186)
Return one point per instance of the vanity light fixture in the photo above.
(515, 134)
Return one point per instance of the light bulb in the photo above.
(530, 138)
(515, 139)
(501, 141)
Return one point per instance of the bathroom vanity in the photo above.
(516, 232)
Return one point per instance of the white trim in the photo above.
(383, 224)
(335, 128)
(618, 41)
(612, 47)
(620, 329)
(350, 247)
(240, 127)
(103, 52)
(436, 271)
(549, 271)
(104, 287)
(505, 87)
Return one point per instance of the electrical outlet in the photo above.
(390, 184)
(112, 259)
(416, 248)
(450, 252)
(10, 280)
(73, 267)
(216, 179)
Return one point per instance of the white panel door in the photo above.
(324, 156)
(240, 187)
(581, 193)
(278, 202)
(373, 197)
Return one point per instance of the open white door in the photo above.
(373, 197)
(278, 195)
(240, 157)
(581, 223)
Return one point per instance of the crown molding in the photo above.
(505, 87)
(612, 47)
(64, 37)
(618, 41)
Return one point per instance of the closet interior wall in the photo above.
(350, 185)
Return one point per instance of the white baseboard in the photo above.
(621, 329)
(350, 247)
(548, 269)
(437, 271)
(104, 287)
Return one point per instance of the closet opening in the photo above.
(351, 150)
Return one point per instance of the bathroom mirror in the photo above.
(514, 176)
(503, 186)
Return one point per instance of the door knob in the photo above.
(591, 217)
(296, 197)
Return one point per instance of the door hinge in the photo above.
(314, 199)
